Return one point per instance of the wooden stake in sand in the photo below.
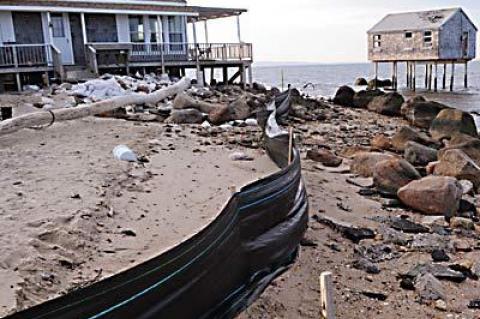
(290, 145)
(45, 118)
(327, 302)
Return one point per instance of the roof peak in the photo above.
(432, 19)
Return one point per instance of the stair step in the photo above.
(79, 75)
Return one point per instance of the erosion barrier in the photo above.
(218, 272)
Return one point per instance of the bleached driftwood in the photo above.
(45, 118)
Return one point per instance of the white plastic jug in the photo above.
(124, 153)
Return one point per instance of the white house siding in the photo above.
(450, 38)
(7, 33)
(123, 28)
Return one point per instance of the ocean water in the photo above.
(324, 80)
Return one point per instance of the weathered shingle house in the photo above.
(446, 36)
(68, 37)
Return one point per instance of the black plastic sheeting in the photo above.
(215, 274)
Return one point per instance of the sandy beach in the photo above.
(72, 214)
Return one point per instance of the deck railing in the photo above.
(25, 55)
(169, 52)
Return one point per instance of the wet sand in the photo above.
(71, 214)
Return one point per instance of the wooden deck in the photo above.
(108, 55)
(102, 57)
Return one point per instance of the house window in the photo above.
(408, 35)
(137, 31)
(377, 41)
(427, 38)
(154, 30)
(175, 31)
(58, 28)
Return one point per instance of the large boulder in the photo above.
(419, 155)
(361, 82)
(187, 116)
(391, 175)
(457, 164)
(471, 148)
(362, 98)
(381, 142)
(344, 96)
(364, 163)
(325, 157)
(407, 106)
(407, 134)
(433, 195)
(451, 121)
(460, 138)
(388, 104)
(379, 83)
(420, 112)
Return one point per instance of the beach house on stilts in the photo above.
(427, 38)
(72, 39)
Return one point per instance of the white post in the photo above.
(200, 81)
(206, 32)
(50, 31)
(159, 29)
(84, 28)
(194, 32)
(239, 30)
(161, 42)
(327, 301)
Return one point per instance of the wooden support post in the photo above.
(408, 75)
(225, 75)
(396, 76)
(444, 76)
(250, 76)
(429, 79)
(327, 309)
(414, 76)
(452, 77)
(426, 76)
(204, 78)
(393, 75)
(19, 82)
(243, 76)
(376, 76)
(465, 80)
(435, 80)
(212, 75)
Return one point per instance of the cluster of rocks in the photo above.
(431, 164)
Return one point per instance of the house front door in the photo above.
(62, 36)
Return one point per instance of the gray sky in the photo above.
(325, 31)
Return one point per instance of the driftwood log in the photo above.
(67, 114)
